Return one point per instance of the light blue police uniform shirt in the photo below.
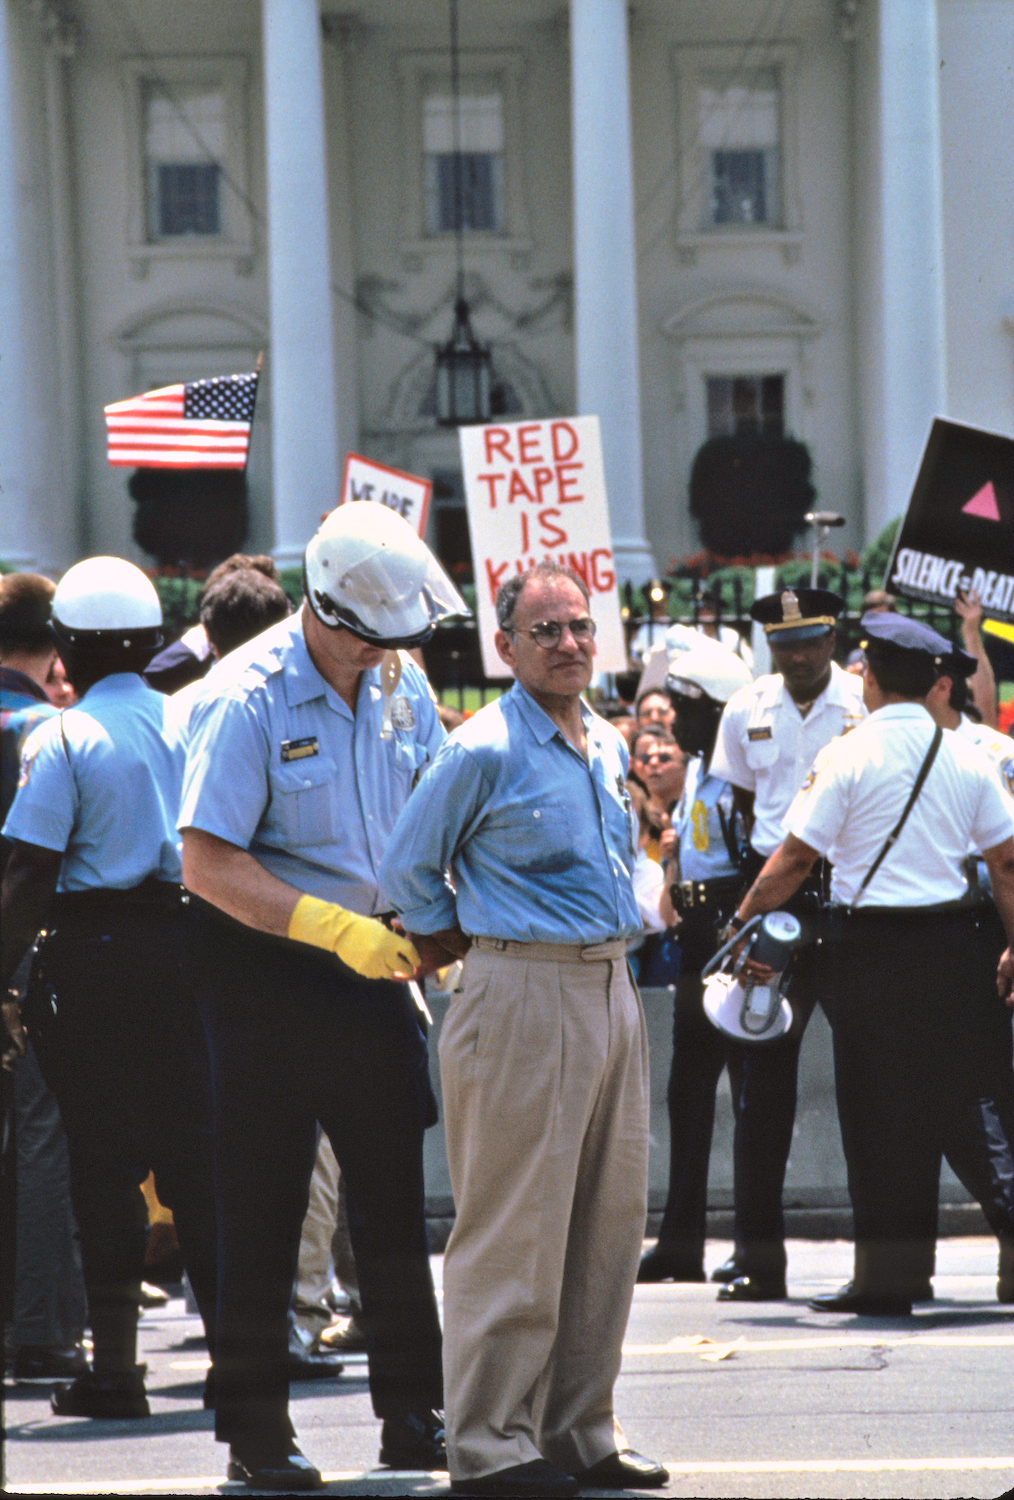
(706, 801)
(106, 790)
(539, 842)
(277, 764)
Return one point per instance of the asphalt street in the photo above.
(759, 1400)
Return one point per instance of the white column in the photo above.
(912, 353)
(605, 266)
(19, 521)
(304, 441)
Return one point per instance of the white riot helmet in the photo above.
(708, 669)
(106, 602)
(367, 572)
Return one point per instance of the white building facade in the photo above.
(690, 217)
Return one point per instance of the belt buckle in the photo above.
(687, 893)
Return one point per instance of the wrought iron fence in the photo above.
(454, 662)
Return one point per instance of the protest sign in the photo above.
(958, 530)
(536, 490)
(406, 493)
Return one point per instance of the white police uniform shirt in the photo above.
(100, 783)
(1000, 750)
(766, 746)
(858, 790)
(278, 764)
(704, 815)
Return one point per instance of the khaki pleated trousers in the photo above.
(544, 1069)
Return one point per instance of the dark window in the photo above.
(743, 404)
(188, 198)
(738, 187)
(478, 192)
(451, 540)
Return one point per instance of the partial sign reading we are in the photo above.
(406, 493)
(537, 490)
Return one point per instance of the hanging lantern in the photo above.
(464, 374)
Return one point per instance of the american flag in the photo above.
(203, 424)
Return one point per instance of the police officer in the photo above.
(895, 806)
(96, 861)
(303, 749)
(992, 1111)
(705, 880)
(767, 740)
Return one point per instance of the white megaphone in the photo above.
(744, 1008)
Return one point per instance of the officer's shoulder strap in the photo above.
(892, 837)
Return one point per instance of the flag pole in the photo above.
(258, 367)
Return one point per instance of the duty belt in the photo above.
(150, 892)
(559, 953)
(687, 894)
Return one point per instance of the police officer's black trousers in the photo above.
(700, 1052)
(120, 1043)
(295, 1040)
(914, 1054)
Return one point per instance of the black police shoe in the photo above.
(662, 1265)
(625, 1470)
(304, 1366)
(753, 1289)
(727, 1271)
(120, 1394)
(279, 1466)
(853, 1299)
(414, 1440)
(520, 1482)
(48, 1362)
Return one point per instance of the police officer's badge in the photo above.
(402, 716)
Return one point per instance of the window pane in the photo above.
(481, 193)
(738, 187)
(481, 123)
(739, 405)
(185, 142)
(188, 198)
(740, 134)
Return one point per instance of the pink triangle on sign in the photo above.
(983, 504)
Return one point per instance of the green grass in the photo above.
(471, 698)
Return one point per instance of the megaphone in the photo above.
(744, 1008)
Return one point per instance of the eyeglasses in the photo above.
(548, 633)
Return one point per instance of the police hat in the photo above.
(899, 633)
(800, 614)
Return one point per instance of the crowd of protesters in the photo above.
(231, 861)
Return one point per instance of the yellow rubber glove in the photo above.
(363, 943)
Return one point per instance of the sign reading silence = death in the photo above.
(958, 531)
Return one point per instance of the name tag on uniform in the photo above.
(763, 733)
(300, 749)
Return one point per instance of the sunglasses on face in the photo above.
(654, 758)
(549, 633)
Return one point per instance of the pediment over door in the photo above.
(741, 312)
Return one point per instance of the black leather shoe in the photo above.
(852, 1299)
(752, 1289)
(49, 1362)
(520, 1481)
(658, 1265)
(314, 1366)
(727, 1271)
(118, 1395)
(414, 1440)
(625, 1470)
(1005, 1273)
(923, 1291)
(272, 1468)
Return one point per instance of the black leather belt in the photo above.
(149, 893)
(687, 894)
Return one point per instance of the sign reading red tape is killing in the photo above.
(958, 531)
(536, 490)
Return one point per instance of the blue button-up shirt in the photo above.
(539, 842)
(101, 783)
(279, 765)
